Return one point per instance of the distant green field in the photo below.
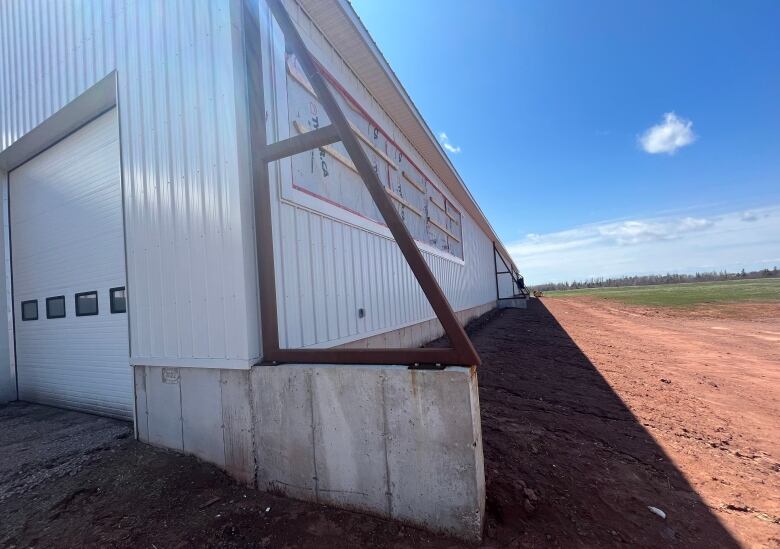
(687, 294)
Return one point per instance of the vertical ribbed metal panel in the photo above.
(187, 205)
(187, 233)
(323, 292)
(328, 268)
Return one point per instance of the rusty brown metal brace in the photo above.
(462, 351)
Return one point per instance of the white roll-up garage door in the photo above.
(67, 259)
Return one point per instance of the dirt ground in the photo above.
(591, 412)
(705, 385)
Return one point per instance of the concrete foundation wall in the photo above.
(398, 443)
(402, 444)
(513, 303)
(385, 440)
(201, 411)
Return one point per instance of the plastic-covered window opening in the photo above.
(328, 173)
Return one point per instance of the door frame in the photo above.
(97, 100)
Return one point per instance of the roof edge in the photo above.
(463, 191)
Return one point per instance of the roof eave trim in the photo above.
(360, 28)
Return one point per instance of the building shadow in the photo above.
(567, 464)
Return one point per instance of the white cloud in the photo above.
(445, 142)
(749, 215)
(673, 133)
(635, 232)
(652, 245)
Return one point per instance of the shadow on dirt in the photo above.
(567, 463)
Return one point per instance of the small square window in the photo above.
(86, 304)
(55, 307)
(30, 310)
(118, 300)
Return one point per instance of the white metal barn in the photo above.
(190, 230)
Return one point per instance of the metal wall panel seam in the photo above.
(454, 280)
(51, 52)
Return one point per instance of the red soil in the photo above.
(591, 412)
(705, 386)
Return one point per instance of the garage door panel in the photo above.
(80, 180)
(67, 237)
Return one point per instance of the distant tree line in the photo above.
(648, 280)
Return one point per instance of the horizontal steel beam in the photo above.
(301, 143)
(367, 356)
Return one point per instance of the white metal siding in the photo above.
(330, 269)
(188, 201)
(67, 237)
(188, 205)
(329, 264)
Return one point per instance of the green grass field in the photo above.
(687, 294)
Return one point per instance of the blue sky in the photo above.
(603, 138)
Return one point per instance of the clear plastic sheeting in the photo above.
(328, 172)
